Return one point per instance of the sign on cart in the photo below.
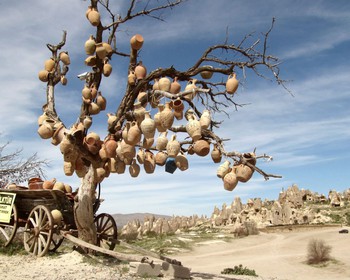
(6, 204)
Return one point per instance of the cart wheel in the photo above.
(107, 232)
(56, 242)
(38, 231)
(8, 230)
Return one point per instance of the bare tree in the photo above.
(15, 169)
(93, 158)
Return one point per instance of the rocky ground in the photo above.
(278, 255)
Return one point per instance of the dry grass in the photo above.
(318, 252)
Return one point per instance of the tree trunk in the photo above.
(83, 208)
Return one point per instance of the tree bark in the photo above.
(83, 208)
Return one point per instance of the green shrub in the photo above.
(239, 270)
(318, 252)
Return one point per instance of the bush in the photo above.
(318, 252)
(239, 270)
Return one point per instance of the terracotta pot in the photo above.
(111, 119)
(175, 86)
(86, 92)
(58, 135)
(90, 46)
(173, 147)
(140, 71)
(230, 181)
(42, 118)
(193, 128)
(157, 121)
(162, 141)
(231, 84)
(206, 74)
(205, 119)
(167, 116)
(101, 101)
(140, 156)
(244, 173)
(46, 129)
(181, 162)
(48, 184)
(134, 134)
(201, 148)
(131, 78)
(94, 109)
(49, 64)
(134, 169)
(90, 61)
(149, 163)
(191, 85)
(161, 158)
(110, 146)
(107, 69)
(87, 122)
(155, 84)
(164, 84)
(147, 126)
(63, 80)
(223, 169)
(136, 42)
(108, 48)
(43, 75)
(127, 150)
(120, 166)
(147, 142)
(178, 107)
(68, 168)
(139, 112)
(216, 154)
(100, 51)
(64, 57)
(94, 17)
(35, 183)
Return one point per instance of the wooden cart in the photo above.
(31, 211)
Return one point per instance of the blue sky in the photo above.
(307, 134)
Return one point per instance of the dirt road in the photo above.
(274, 255)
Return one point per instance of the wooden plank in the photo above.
(120, 256)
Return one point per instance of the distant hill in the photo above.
(123, 219)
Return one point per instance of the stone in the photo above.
(176, 271)
(145, 269)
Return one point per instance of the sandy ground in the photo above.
(273, 256)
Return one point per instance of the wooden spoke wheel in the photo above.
(38, 231)
(107, 232)
(8, 230)
(56, 241)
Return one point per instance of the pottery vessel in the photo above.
(140, 156)
(134, 134)
(94, 109)
(230, 181)
(173, 147)
(101, 101)
(193, 128)
(90, 46)
(206, 74)
(94, 17)
(167, 116)
(139, 112)
(90, 61)
(149, 163)
(191, 85)
(178, 107)
(35, 183)
(175, 86)
(111, 146)
(131, 78)
(43, 75)
(157, 118)
(147, 126)
(201, 148)
(46, 129)
(140, 71)
(100, 51)
(164, 84)
(68, 168)
(223, 169)
(136, 42)
(48, 184)
(205, 119)
(181, 161)
(108, 48)
(147, 142)
(64, 57)
(231, 84)
(244, 173)
(86, 92)
(161, 158)
(216, 154)
(107, 69)
(134, 169)
(49, 64)
(162, 141)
